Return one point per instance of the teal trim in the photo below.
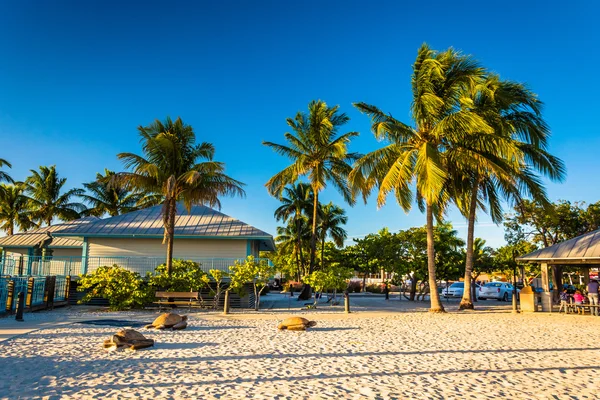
(248, 248)
(29, 260)
(161, 236)
(84, 256)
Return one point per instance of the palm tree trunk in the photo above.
(170, 233)
(313, 239)
(298, 223)
(11, 229)
(467, 301)
(436, 304)
(322, 252)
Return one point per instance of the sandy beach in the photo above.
(397, 352)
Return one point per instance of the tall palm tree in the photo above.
(330, 223)
(175, 167)
(423, 154)
(109, 198)
(514, 112)
(47, 201)
(14, 209)
(296, 206)
(317, 151)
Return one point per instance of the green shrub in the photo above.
(122, 288)
(186, 276)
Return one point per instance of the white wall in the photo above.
(193, 248)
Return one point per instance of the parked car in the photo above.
(497, 290)
(457, 289)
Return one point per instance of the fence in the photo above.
(40, 292)
(73, 266)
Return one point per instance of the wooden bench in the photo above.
(582, 307)
(190, 299)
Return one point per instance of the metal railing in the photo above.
(73, 266)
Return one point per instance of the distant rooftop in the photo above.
(35, 236)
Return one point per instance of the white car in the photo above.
(496, 290)
(457, 289)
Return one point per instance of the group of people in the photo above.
(579, 298)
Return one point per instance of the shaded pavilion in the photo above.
(582, 251)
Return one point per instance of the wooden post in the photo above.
(226, 303)
(346, 302)
(11, 296)
(29, 292)
(67, 288)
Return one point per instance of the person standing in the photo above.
(593, 295)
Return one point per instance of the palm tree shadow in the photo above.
(175, 346)
(332, 329)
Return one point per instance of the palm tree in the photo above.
(109, 198)
(14, 209)
(318, 152)
(4, 177)
(424, 153)
(514, 112)
(330, 223)
(297, 202)
(291, 239)
(46, 200)
(175, 167)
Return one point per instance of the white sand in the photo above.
(404, 355)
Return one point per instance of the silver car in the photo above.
(497, 290)
(457, 289)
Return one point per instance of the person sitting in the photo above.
(578, 297)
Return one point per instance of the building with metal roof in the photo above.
(135, 240)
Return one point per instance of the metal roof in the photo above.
(33, 237)
(582, 249)
(201, 222)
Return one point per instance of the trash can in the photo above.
(528, 299)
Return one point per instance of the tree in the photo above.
(46, 197)
(291, 242)
(317, 151)
(14, 209)
(175, 167)
(423, 154)
(4, 177)
(296, 207)
(520, 134)
(106, 197)
(549, 224)
(256, 272)
(332, 219)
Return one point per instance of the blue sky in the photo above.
(77, 78)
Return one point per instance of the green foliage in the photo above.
(552, 223)
(47, 199)
(122, 288)
(14, 209)
(251, 271)
(186, 276)
(108, 196)
(316, 151)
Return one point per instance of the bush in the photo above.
(375, 287)
(122, 288)
(186, 276)
(354, 286)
